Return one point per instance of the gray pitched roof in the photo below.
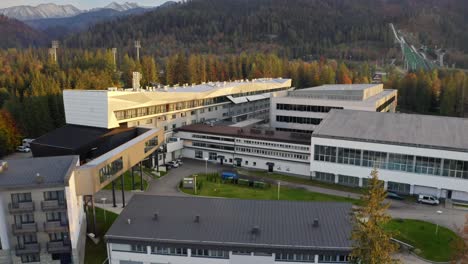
(440, 132)
(229, 222)
(22, 173)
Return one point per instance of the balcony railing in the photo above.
(24, 228)
(52, 227)
(53, 205)
(59, 247)
(27, 249)
(21, 207)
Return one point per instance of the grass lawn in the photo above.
(299, 180)
(96, 254)
(422, 236)
(244, 192)
(128, 182)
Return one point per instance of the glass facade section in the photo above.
(349, 156)
(209, 253)
(456, 169)
(150, 144)
(110, 170)
(348, 180)
(374, 159)
(169, 251)
(298, 120)
(306, 108)
(325, 153)
(427, 165)
(295, 257)
(398, 187)
(325, 177)
(400, 162)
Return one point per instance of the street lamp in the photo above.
(437, 224)
(206, 165)
(279, 185)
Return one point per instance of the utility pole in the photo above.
(114, 52)
(137, 47)
(53, 50)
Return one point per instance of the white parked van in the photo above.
(428, 199)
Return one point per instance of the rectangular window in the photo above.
(56, 217)
(209, 253)
(325, 153)
(427, 165)
(169, 251)
(349, 156)
(54, 196)
(212, 156)
(298, 120)
(398, 187)
(30, 258)
(138, 248)
(20, 219)
(150, 144)
(325, 177)
(374, 159)
(20, 198)
(348, 180)
(400, 162)
(110, 170)
(455, 168)
(198, 154)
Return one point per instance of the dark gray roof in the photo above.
(229, 222)
(22, 173)
(424, 131)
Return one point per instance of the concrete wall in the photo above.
(87, 108)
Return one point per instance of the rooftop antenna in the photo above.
(137, 47)
(114, 53)
(53, 50)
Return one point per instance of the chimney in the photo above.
(197, 219)
(39, 179)
(316, 222)
(255, 230)
(136, 80)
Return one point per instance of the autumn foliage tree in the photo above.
(9, 133)
(372, 244)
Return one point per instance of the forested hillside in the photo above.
(15, 34)
(340, 29)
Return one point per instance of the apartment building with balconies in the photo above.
(41, 217)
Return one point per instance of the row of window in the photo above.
(212, 138)
(157, 109)
(306, 108)
(57, 195)
(212, 146)
(273, 153)
(111, 169)
(210, 253)
(392, 161)
(294, 130)
(298, 120)
(272, 144)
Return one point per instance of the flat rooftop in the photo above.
(281, 225)
(340, 87)
(22, 173)
(253, 133)
(425, 131)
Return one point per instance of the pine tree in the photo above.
(372, 244)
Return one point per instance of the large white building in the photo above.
(193, 230)
(413, 153)
(247, 147)
(302, 110)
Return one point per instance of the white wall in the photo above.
(439, 182)
(87, 108)
(76, 215)
(3, 222)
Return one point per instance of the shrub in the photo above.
(243, 182)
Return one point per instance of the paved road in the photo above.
(167, 185)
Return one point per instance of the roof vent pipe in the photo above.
(129, 221)
(197, 219)
(256, 230)
(316, 222)
(156, 216)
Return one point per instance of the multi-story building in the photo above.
(171, 107)
(188, 230)
(302, 110)
(41, 216)
(247, 147)
(414, 153)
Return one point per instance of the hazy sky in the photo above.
(82, 4)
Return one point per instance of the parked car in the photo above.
(173, 164)
(394, 196)
(179, 161)
(428, 199)
(23, 149)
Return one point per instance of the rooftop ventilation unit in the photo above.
(316, 222)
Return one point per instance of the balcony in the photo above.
(27, 249)
(23, 207)
(53, 205)
(59, 247)
(24, 228)
(52, 227)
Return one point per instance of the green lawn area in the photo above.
(96, 254)
(422, 236)
(244, 192)
(299, 180)
(128, 182)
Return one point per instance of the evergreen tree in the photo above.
(149, 71)
(371, 242)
